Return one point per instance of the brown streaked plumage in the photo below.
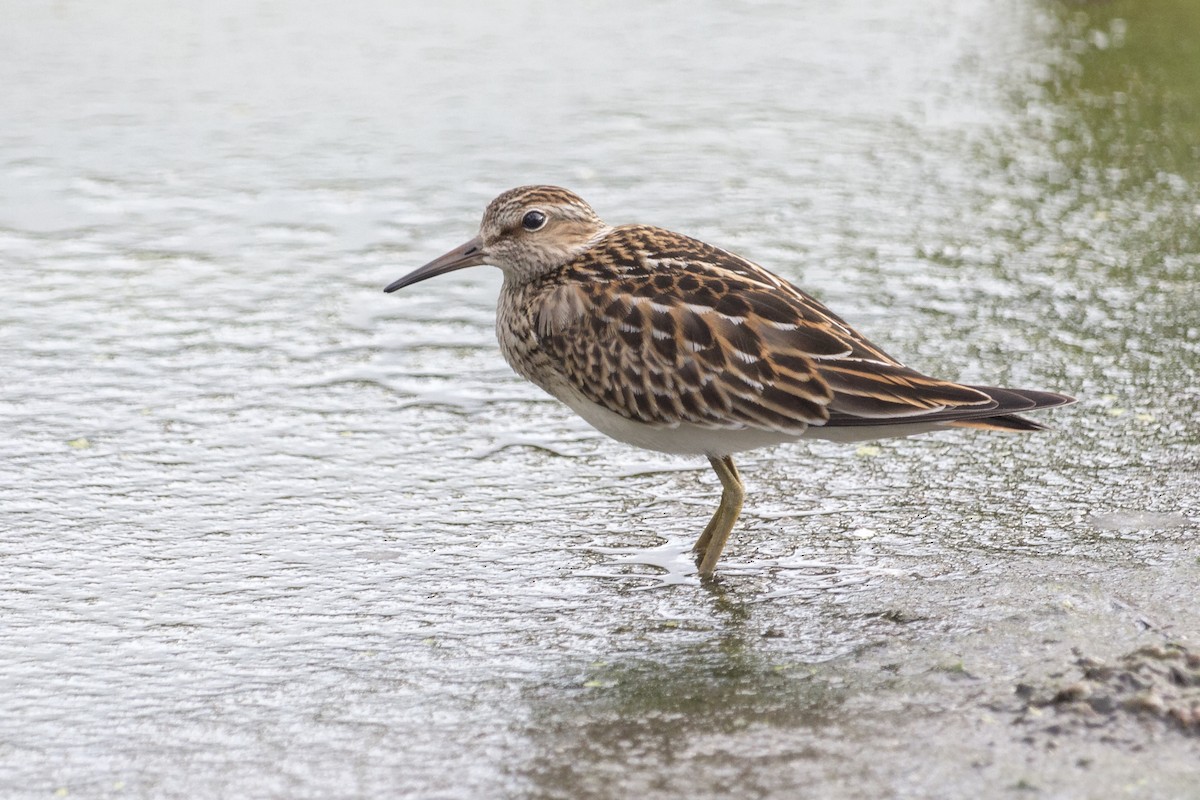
(667, 343)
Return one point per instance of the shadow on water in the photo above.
(668, 720)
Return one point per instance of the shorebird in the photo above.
(667, 343)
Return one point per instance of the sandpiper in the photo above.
(670, 344)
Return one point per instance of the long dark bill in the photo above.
(467, 255)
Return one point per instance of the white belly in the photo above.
(687, 439)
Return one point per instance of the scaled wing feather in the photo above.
(665, 329)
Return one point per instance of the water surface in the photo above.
(266, 532)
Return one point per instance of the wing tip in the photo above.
(1023, 400)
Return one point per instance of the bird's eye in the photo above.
(533, 220)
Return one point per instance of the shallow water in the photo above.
(266, 532)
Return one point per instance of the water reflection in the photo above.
(699, 721)
(1129, 85)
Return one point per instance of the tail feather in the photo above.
(1005, 422)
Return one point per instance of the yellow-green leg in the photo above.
(710, 544)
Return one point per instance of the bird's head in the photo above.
(526, 232)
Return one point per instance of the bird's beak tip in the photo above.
(468, 255)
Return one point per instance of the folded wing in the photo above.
(665, 329)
